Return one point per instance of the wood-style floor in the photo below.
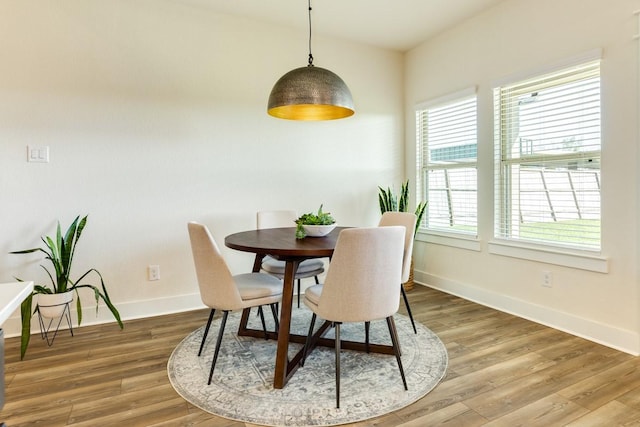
(503, 371)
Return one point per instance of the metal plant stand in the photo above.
(45, 330)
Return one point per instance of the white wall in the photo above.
(155, 114)
(519, 36)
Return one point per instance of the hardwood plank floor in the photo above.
(503, 371)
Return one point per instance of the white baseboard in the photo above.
(128, 311)
(620, 339)
(617, 338)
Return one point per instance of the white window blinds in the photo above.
(447, 138)
(547, 138)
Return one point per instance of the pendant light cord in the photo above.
(310, 55)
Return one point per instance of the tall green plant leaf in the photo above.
(67, 249)
(104, 296)
(420, 209)
(403, 201)
(387, 200)
(25, 314)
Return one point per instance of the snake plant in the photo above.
(59, 251)
(389, 201)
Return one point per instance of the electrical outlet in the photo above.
(153, 272)
(547, 279)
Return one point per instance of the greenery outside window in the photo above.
(547, 145)
(447, 158)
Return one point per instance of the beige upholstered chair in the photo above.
(361, 285)
(220, 290)
(408, 221)
(307, 268)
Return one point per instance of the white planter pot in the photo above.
(53, 305)
(318, 230)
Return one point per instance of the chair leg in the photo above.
(215, 354)
(206, 330)
(307, 343)
(394, 340)
(274, 311)
(337, 332)
(264, 325)
(366, 335)
(406, 303)
(298, 293)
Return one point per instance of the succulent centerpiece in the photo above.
(314, 224)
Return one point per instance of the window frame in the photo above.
(577, 256)
(442, 235)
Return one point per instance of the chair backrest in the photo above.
(217, 287)
(363, 281)
(276, 219)
(407, 220)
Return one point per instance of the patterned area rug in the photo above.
(242, 386)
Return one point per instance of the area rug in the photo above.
(242, 386)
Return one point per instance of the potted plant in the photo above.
(391, 202)
(60, 252)
(314, 225)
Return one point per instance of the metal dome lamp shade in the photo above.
(310, 93)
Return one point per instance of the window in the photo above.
(447, 144)
(547, 140)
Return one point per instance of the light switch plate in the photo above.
(38, 153)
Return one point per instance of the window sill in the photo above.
(581, 260)
(460, 241)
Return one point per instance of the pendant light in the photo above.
(310, 93)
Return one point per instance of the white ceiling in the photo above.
(392, 24)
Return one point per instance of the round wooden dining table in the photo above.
(281, 243)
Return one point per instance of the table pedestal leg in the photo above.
(282, 369)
